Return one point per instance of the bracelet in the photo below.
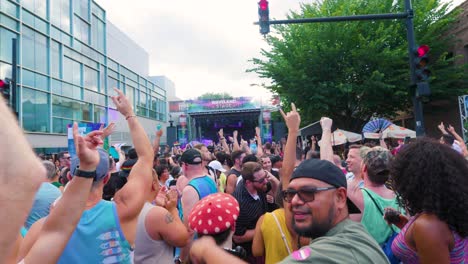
(130, 116)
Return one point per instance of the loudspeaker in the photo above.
(279, 130)
(171, 135)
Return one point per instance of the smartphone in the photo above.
(392, 216)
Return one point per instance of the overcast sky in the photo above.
(202, 46)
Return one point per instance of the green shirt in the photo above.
(57, 184)
(372, 218)
(347, 242)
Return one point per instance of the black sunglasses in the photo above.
(306, 194)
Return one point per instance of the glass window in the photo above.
(71, 71)
(56, 86)
(5, 70)
(9, 8)
(98, 11)
(55, 59)
(112, 83)
(100, 114)
(35, 47)
(8, 22)
(98, 34)
(129, 91)
(6, 44)
(102, 79)
(72, 109)
(82, 8)
(35, 110)
(81, 29)
(90, 79)
(65, 21)
(35, 80)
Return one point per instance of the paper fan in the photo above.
(376, 125)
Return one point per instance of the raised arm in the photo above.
(131, 198)
(459, 139)
(235, 142)
(259, 142)
(157, 141)
(292, 120)
(64, 217)
(326, 149)
(223, 142)
(21, 174)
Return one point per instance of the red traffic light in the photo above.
(422, 50)
(3, 84)
(263, 5)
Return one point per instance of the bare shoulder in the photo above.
(429, 226)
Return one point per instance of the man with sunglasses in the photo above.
(317, 198)
(251, 195)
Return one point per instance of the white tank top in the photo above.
(148, 250)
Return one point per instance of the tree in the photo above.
(351, 71)
(215, 96)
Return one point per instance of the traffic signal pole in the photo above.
(408, 16)
(14, 76)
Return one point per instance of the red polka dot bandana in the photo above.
(214, 214)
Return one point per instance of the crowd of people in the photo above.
(234, 201)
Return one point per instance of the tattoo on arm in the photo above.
(169, 218)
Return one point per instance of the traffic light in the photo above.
(421, 71)
(5, 89)
(263, 17)
(421, 61)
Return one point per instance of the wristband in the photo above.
(85, 174)
(130, 116)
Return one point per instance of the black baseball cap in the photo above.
(191, 156)
(327, 172)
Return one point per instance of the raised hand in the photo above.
(107, 131)
(257, 132)
(292, 119)
(234, 134)
(221, 133)
(171, 199)
(326, 123)
(159, 133)
(122, 104)
(451, 129)
(442, 128)
(86, 147)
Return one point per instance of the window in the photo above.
(38, 7)
(81, 8)
(6, 44)
(90, 79)
(60, 14)
(35, 47)
(71, 71)
(35, 80)
(81, 30)
(55, 59)
(9, 8)
(100, 115)
(35, 111)
(98, 34)
(71, 109)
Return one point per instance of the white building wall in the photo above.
(125, 51)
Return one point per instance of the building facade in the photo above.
(69, 59)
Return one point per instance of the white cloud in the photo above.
(203, 46)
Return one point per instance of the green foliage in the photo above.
(215, 96)
(351, 71)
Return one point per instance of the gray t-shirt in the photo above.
(347, 242)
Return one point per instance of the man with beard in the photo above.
(317, 198)
(250, 193)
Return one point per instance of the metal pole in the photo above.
(418, 107)
(14, 77)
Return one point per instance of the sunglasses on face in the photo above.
(265, 178)
(306, 195)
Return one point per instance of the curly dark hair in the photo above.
(432, 178)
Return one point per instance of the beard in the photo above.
(317, 228)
